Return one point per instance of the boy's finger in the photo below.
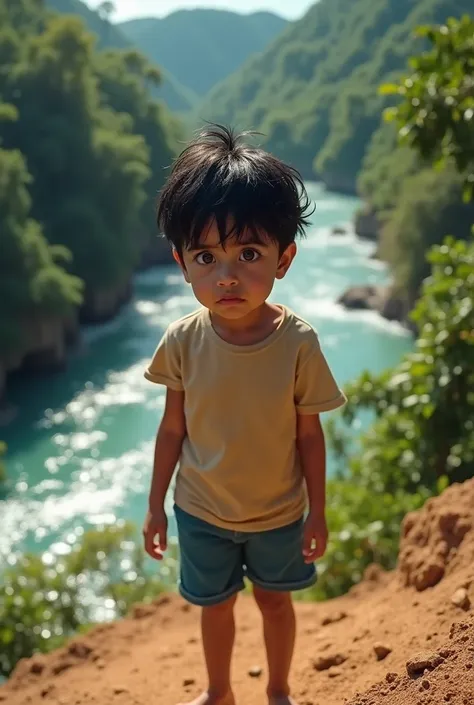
(321, 545)
(151, 546)
(310, 556)
(308, 536)
(162, 539)
(308, 544)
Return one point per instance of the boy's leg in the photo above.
(218, 633)
(275, 564)
(279, 630)
(211, 575)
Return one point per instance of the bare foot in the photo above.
(281, 700)
(208, 699)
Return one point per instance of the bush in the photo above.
(43, 601)
(422, 435)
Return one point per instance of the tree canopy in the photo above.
(83, 151)
(421, 190)
(436, 115)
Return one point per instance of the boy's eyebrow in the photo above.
(204, 246)
(201, 246)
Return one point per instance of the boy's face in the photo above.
(234, 280)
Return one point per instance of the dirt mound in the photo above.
(432, 542)
(442, 676)
(405, 638)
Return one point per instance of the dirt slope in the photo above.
(404, 638)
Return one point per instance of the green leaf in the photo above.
(389, 89)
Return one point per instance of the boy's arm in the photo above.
(169, 441)
(312, 451)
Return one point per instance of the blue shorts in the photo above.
(214, 561)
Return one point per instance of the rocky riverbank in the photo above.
(46, 342)
(382, 299)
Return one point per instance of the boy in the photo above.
(246, 381)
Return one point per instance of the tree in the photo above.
(416, 203)
(106, 10)
(32, 281)
(88, 166)
(124, 81)
(436, 114)
(79, 168)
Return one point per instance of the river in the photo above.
(80, 448)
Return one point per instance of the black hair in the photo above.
(218, 177)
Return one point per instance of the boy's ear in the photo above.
(180, 263)
(285, 260)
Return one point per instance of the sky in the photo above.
(126, 9)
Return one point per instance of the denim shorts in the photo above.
(215, 561)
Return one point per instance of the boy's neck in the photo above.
(251, 328)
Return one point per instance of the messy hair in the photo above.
(220, 178)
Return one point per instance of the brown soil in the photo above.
(404, 638)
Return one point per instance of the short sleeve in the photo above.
(165, 366)
(316, 390)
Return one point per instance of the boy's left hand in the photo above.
(315, 537)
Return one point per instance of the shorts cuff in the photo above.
(212, 599)
(285, 587)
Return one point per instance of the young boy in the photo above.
(246, 381)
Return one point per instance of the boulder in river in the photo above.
(362, 297)
(382, 299)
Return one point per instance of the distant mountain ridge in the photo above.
(194, 49)
(202, 47)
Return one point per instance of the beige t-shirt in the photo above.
(239, 466)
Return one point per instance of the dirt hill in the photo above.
(401, 638)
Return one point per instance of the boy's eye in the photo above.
(249, 255)
(205, 258)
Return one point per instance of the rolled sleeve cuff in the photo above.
(330, 405)
(165, 381)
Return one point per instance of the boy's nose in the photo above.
(226, 277)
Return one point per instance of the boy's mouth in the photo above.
(230, 300)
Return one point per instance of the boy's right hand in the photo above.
(155, 529)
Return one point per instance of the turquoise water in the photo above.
(81, 446)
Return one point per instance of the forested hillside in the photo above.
(202, 47)
(82, 154)
(195, 49)
(313, 92)
(110, 36)
(415, 204)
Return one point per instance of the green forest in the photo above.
(83, 152)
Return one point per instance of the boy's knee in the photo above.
(221, 608)
(270, 601)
